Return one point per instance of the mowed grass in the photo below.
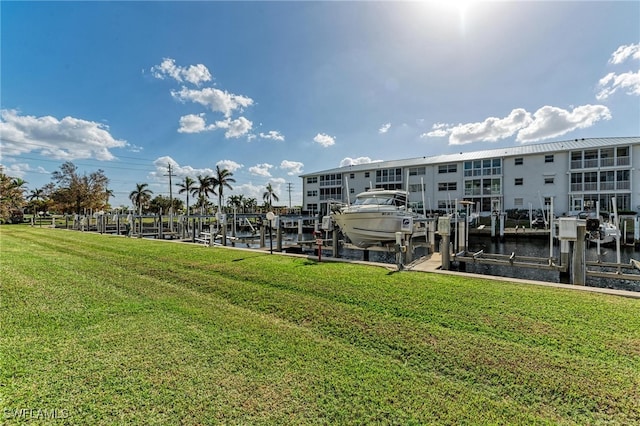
(111, 330)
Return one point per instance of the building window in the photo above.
(389, 175)
(591, 158)
(483, 167)
(330, 194)
(518, 202)
(448, 168)
(576, 181)
(352, 191)
(331, 180)
(312, 207)
(591, 181)
(313, 179)
(519, 161)
(548, 180)
(518, 181)
(607, 180)
(366, 174)
(312, 193)
(447, 186)
(352, 175)
(415, 171)
(548, 158)
(415, 187)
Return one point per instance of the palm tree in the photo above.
(220, 180)
(17, 184)
(187, 185)
(108, 193)
(36, 195)
(202, 202)
(140, 196)
(204, 189)
(269, 196)
(250, 204)
(237, 201)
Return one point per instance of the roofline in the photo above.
(547, 147)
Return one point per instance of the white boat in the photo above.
(375, 217)
(606, 234)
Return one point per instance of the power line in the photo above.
(289, 189)
(170, 174)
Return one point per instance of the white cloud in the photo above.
(67, 139)
(250, 190)
(292, 167)
(194, 123)
(230, 165)
(194, 74)
(20, 169)
(610, 84)
(324, 140)
(491, 129)
(550, 122)
(438, 130)
(261, 170)
(162, 167)
(214, 99)
(385, 128)
(273, 135)
(547, 122)
(348, 161)
(625, 52)
(235, 128)
(435, 134)
(628, 81)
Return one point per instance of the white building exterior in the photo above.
(576, 173)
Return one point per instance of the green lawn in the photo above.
(98, 329)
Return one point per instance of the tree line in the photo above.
(70, 192)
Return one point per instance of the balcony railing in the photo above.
(606, 162)
(603, 162)
(607, 186)
(623, 161)
(591, 186)
(604, 186)
(623, 184)
(590, 163)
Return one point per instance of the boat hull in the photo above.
(370, 229)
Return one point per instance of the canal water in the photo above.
(534, 247)
(540, 248)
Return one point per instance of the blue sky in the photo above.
(271, 90)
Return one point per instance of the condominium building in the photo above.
(574, 173)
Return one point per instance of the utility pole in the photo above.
(170, 174)
(289, 188)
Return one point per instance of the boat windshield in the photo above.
(379, 200)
